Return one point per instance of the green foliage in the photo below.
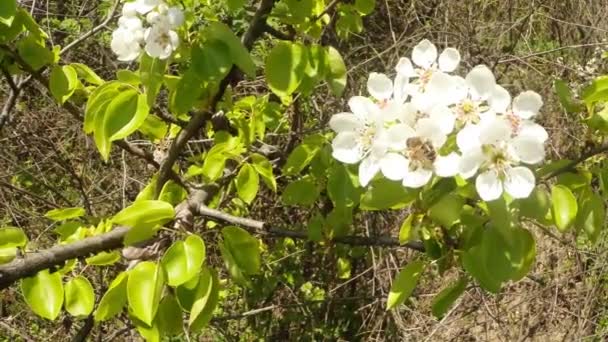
(114, 300)
(144, 289)
(144, 217)
(446, 298)
(34, 53)
(404, 284)
(63, 214)
(205, 300)
(244, 248)
(43, 293)
(285, 68)
(301, 192)
(79, 297)
(564, 207)
(183, 260)
(8, 9)
(247, 183)
(63, 82)
(303, 154)
(11, 239)
(336, 75)
(386, 194)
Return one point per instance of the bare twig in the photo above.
(260, 227)
(571, 165)
(94, 29)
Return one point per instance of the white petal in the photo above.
(345, 148)
(397, 135)
(379, 86)
(519, 182)
(494, 130)
(391, 110)
(528, 150)
(394, 166)
(528, 128)
(417, 178)
(527, 104)
(440, 89)
(368, 168)
(481, 82)
(468, 138)
(449, 60)
(500, 99)
(404, 67)
(155, 50)
(459, 90)
(447, 166)
(145, 6)
(345, 122)
(424, 54)
(175, 17)
(409, 114)
(443, 116)
(489, 186)
(429, 129)
(470, 162)
(400, 91)
(364, 108)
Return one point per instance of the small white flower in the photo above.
(161, 41)
(424, 56)
(491, 148)
(126, 44)
(520, 113)
(170, 17)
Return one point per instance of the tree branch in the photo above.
(571, 165)
(260, 227)
(94, 29)
(256, 29)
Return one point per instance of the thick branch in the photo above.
(260, 227)
(55, 256)
(256, 29)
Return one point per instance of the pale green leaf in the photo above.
(446, 298)
(247, 183)
(285, 66)
(336, 77)
(114, 300)
(43, 293)
(404, 284)
(63, 214)
(183, 260)
(144, 289)
(564, 206)
(264, 169)
(63, 82)
(301, 192)
(12, 237)
(244, 248)
(169, 316)
(79, 297)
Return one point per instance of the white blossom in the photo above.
(160, 41)
(491, 149)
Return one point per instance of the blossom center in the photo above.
(420, 152)
(366, 137)
(514, 121)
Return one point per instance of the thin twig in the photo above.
(571, 165)
(94, 29)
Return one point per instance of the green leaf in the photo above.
(113, 119)
(149, 332)
(7, 254)
(211, 61)
(183, 260)
(12, 237)
(206, 300)
(240, 55)
(247, 183)
(315, 228)
(169, 316)
(87, 73)
(404, 284)
(147, 213)
(186, 94)
(303, 154)
(444, 300)
(98, 102)
(114, 299)
(79, 297)
(263, 167)
(566, 98)
(103, 259)
(285, 67)
(336, 77)
(447, 211)
(384, 194)
(235, 5)
(34, 53)
(301, 192)
(154, 127)
(63, 214)
(536, 206)
(151, 73)
(144, 290)
(592, 215)
(564, 207)
(365, 7)
(128, 76)
(342, 186)
(43, 293)
(596, 91)
(244, 248)
(186, 292)
(63, 82)
(172, 193)
(406, 229)
(8, 9)
(131, 118)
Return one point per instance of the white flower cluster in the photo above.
(403, 131)
(159, 38)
